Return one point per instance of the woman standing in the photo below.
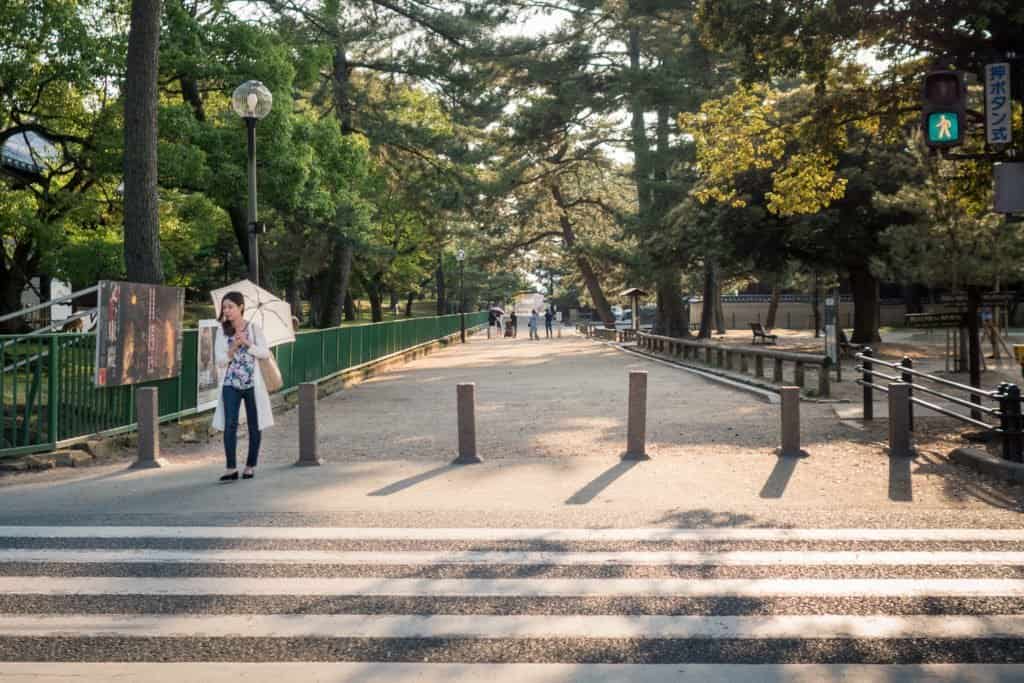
(238, 348)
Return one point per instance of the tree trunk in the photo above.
(11, 286)
(293, 298)
(865, 306)
(350, 307)
(190, 93)
(408, 304)
(673, 319)
(719, 310)
(442, 300)
(586, 270)
(816, 307)
(327, 280)
(348, 253)
(773, 306)
(707, 310)
(913, 298)
(141, 202)
(240, 226)
(376, 303)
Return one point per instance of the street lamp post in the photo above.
(252, 101)
(460, 256)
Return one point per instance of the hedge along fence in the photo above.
(47, 394)
(738, 358)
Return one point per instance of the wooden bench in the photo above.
(762, 334)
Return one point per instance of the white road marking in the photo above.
(431, 557)
(518, 626)
(370, 672)
(496, 534)
(824, 588)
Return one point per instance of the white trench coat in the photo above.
(259, 349)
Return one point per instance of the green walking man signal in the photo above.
(944, 108)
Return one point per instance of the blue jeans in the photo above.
(233, 398)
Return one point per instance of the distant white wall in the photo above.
(58, 289)
(529, 302)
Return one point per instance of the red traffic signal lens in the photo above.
(942, 88)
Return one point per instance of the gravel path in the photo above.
(551, 427)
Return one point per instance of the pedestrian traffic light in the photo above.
(944, 108)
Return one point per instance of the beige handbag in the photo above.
(272, 379)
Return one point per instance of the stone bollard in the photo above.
(636, 417)
(465, 395)
(308, 451)
(899, 420)
(147, 415)
(790, 424)
(824, 388)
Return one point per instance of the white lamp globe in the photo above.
(252, 100)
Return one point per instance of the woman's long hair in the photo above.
(237, 299)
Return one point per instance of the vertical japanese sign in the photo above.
(998, 109)
(139, 333)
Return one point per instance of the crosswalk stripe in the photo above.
(176, 598)
(810, 627)
(761, 587)
(366, 672)
(496, 534)
(681, 558)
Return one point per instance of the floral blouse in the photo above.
(241, 368)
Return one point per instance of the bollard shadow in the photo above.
(779, 478)
(901, 489)
(409, 482)
(601, 482)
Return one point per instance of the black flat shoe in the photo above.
(249, 476)
(230, 477)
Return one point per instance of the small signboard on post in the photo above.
(831, 333)
(998, 110)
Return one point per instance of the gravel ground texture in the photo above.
(551, 426)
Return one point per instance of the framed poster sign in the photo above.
(208, 380)
(138, 336)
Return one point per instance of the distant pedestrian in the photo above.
(515, 323)
(238, 348)
(548, 317)
(534, 321)
(492, 320)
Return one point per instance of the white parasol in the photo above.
(273, 315)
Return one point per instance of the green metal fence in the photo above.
(47, 393)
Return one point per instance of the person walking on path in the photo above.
(515, 323)
(534, 320)
(238, 348)
(548, 317)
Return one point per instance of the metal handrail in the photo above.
(931, 378)
(959, 401)
(950, 413)
(48, 304)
